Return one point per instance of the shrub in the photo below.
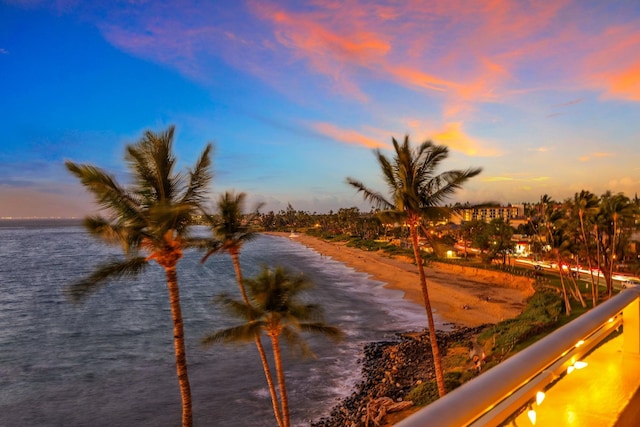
(427, 392)
(542, 311)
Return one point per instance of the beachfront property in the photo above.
(513, 214)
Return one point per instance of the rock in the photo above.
(408, 357)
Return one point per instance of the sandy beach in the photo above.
(461, 298)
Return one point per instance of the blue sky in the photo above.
(544, 96)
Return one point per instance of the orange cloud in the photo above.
(455, 138)
(612, 65)
(625, 83)
(347, 136)
(596, 155)
(412, 76)
(510, 178)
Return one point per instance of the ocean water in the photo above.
(109, 361)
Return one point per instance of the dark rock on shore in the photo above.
(391, 369)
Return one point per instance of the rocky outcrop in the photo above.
(391, 369)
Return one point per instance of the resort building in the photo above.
(513, 214)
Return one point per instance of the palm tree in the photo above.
(586, 204)
(231, 233)
(616, 210)
(150, 220)
(553, 220)
(416, 193)
(274, 309)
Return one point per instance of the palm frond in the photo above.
(113, 270)
(332, 332)
(237, 308)
(236, 334)
(199, 179)
(108, 193)
(152, 163)
(373, 196)
(295, 344)
(202, 243)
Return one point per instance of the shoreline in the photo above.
(456, 299)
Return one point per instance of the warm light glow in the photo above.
(570, 369)
(580, 364)
(532, 416)
(539, 397)
(579, 343)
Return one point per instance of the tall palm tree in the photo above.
(150, 220)
(586, 205)
(553, 220)
(616, 210)
(416, 192)
(274, 309)
(231, 232)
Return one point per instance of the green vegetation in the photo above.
(541, 313)
(427, 392)
(276, 310)
(149, 220)
(415, 192)
(151, 217)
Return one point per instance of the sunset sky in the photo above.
(295, 96)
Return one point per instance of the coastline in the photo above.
(456, 298)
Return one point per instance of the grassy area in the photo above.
(543, 314)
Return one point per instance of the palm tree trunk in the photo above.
(598, 255)
(178, 343)
(270, 383)
(564, 288)
(613, 255)
(235, 257)
(437, 362)
(575, 290)
(280, 372)
(594, 291)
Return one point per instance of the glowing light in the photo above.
(577, 365)
(579, 343)
(532, 416)
(580, 364)
(539, 397)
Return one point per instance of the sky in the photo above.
(295, 96)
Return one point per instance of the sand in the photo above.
(459, 299)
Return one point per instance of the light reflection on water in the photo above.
(109, 361)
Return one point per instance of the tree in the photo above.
(585, 206)
(500, 243)
(615, 214)
(274, 309)
(231, 233)
(416, 193)
(150, 220)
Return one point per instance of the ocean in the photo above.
(109, 361)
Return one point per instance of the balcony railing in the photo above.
(498, 395)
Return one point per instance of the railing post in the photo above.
(631, 324)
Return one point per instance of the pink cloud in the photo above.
(347, 136)
(458, 52)
(464, 51)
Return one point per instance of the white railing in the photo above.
(493, 397)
